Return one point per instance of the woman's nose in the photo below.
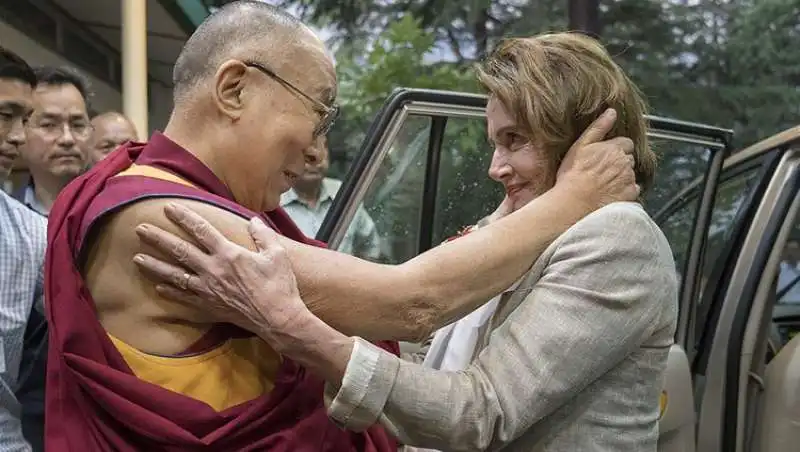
(499, 169)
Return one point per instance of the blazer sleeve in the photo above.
(593, 306)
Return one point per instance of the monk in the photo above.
(130, 370)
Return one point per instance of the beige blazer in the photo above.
(572, 360)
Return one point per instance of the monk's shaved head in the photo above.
(242, 29)
(253, 87)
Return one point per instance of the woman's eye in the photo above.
(515, 140)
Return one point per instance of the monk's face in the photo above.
(15, 107)
(109, 131)
(275, 110)
(57, 132)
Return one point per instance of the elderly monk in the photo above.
(110, 130)
(133, 370)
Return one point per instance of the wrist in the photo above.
(583, 202)
(316, 346)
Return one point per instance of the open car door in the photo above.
(421, 176)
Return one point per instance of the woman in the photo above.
(572, 358)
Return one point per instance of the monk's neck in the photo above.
(199, 146)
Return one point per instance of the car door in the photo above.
(742, 292)
(421, 176)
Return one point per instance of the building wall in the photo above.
(105, 97)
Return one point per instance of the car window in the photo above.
(394, 198)
(680, 166)
(733, 190)
(465, 193)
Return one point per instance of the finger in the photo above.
(161, 271)
(263, 236)
(196, 226)
(623, 143)
(598, 129)
(180, 250)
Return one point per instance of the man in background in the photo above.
(22, 246)
(312, 196)
(55, 154)
(109, 131)
(58, 130)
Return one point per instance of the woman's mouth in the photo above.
(512, 190)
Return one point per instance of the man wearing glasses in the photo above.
(55, 154)
(57, 134)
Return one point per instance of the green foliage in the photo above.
(397, 58)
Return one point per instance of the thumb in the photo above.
(597, 130)
(261, 234)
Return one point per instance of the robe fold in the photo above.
(95, 403)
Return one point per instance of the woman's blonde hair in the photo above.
(557, 84)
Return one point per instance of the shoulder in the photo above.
(332, 185)
(151, 211)
(621, 237)
(23, 240)
(619, 224)
(20, 220)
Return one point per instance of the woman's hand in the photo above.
(597, 171)
(255, 290)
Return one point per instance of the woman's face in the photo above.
(522, 167)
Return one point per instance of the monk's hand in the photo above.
(255, 290)
(596, 171)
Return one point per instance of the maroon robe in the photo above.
(95, 403)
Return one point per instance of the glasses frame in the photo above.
(329, 112)
(58, 131)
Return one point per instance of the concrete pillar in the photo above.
(134, 64)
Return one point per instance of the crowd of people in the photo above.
(169, 295)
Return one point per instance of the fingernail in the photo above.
(139, 259)
(142, 228)
(610, 113)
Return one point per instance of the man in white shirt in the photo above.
(309, 200)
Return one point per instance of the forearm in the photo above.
(408, 301)
(316, 346)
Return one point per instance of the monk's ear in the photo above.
(229, 82)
